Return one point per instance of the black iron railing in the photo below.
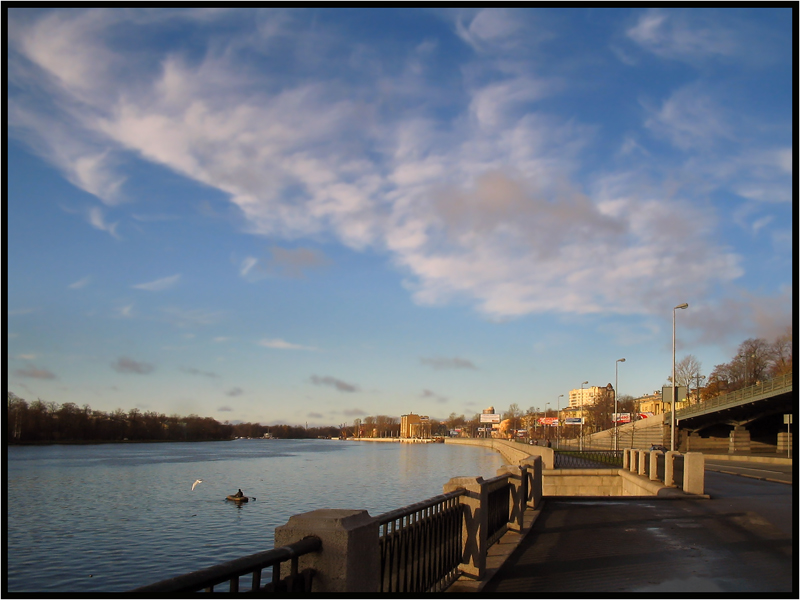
(677, 470)
(587, 459)
(295, 581)
(661, 465)
(498, 508)
(421, 545)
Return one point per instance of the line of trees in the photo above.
(756, 360)
(381, 426)
(45, 422)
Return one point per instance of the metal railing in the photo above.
(497, 508)
(421, 544)
(677, 470)
(230, 572)
(777, 385)
(587, 459)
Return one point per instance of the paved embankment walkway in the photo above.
(739, 541)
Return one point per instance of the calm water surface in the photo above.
(112, 517)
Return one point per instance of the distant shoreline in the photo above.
(98, 442)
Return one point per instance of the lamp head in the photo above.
(621, 360)
(684, 305)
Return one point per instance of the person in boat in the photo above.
(238, 494)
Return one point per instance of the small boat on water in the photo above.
(234, 498)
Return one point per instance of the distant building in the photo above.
(590, 396)
(415, 426)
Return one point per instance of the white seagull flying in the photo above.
(194, 485)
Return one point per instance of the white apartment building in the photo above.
(588, 396)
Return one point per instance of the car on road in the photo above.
(658, 447)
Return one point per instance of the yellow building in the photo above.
(415, 426)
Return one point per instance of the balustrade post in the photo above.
(694, 473)
(475, 524)
(517, 498)
(350, 557)
(535, 465)
(669, 468)
(626, 458)
(654, 464)
(642, 462)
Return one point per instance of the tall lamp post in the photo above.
(616, 414)
(558, 418)
(672, 413)
(581, 444)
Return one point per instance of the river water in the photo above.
(108, 518)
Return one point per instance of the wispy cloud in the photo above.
(337, 384)
(225, 409)
(440, 363)
(158, 284)
(126, 311)
(193, 371)
(433, 396)
(280, 344)
(353, 412)
(97, 220)
(80, 283)
(128, 365)
(672, 35)
(236, 391)
(294, 262)
(467, 193)
(247, 265)
(34, 372)
(26, 356)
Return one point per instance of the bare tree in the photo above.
(781, 354)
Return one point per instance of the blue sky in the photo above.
(315, 215)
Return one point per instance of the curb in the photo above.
(751, 476)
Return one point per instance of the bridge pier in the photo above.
(784, 443)
(739, 440)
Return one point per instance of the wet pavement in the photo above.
(738, 542)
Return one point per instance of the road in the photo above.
(738, 542)
(763, 471)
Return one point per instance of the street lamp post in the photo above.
(581, 441)
(558, 418)
(616, 414)
(672, 413)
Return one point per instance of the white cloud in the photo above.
(674, 35)
(690, 118)
(280, 344)
(247, 264)
(97, 220)
(159, 284)
(80, 283)
(477, 205)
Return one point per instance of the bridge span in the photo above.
(747, 420)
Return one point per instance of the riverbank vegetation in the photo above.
(50, 422)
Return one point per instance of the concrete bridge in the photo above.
(746, 421)
(753, 417)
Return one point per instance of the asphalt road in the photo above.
(738, 542)
(764, 471)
